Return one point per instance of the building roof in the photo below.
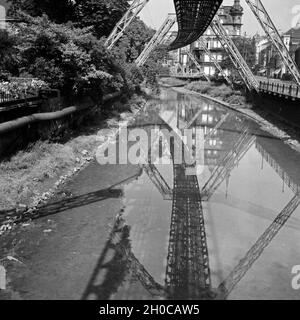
(294, 33)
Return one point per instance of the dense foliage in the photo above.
(222, 92)
(247, 48)
(101, 15)
(61, 42)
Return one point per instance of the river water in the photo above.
(227, 230)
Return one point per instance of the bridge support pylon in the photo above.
(135, 8)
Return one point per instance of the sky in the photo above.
(280, 11)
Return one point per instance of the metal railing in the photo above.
(187, 74)
(12, 97)
(285, 89)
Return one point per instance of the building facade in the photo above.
(268, 58)
(231, 18)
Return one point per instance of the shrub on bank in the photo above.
(18, 89)
(222, 91)
(173, 82)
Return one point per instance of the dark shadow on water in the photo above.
(109, 275)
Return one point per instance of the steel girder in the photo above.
(234, 54)
(197, 64)
(273, 35)
(194, 17)
(237, 274)
(156, 40)
(203, 45)
(134, 9)
(230, 161)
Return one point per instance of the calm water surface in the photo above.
(230, 231)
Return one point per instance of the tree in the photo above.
(101, 15)
(59, 11)
(70, 55)
(246, 47)
(67, 58)
(132, 43)
(8, 53)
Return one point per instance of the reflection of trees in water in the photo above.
(188, 272)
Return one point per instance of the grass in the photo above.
(222, 92)
(173, 82)
(31, 172)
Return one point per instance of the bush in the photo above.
(199, 86)
(222, 91)
(18, 89)
(236, 99)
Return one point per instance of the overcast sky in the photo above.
(280, 11)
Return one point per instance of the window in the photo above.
(206, 58)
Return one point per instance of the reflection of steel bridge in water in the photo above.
(188, 271)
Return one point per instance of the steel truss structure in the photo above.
(203, 45)
(156, 40)
(234, 54)
(226, 287)
(230, 161)
(197, 64)
(193, 18)
(169, 38)
(272, 33)
(158, 181)
(134, 9)
(187, 273)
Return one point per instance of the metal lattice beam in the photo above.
(194, 17)
(197, 64)
(158, 181)
(257, 249)
(272, 33)
(134, 9)
(229, 162)
(156, 40)
(203, 45)
(234, 54)
(188, 272)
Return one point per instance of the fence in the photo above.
(286, 89)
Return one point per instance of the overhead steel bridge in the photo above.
(193, 17)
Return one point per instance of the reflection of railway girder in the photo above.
(230, 161)
(226, 287)
(159, 181)
(188, 273)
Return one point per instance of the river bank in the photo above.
(235, 100)
(288, 135)
(32, 176)
(110, 236)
